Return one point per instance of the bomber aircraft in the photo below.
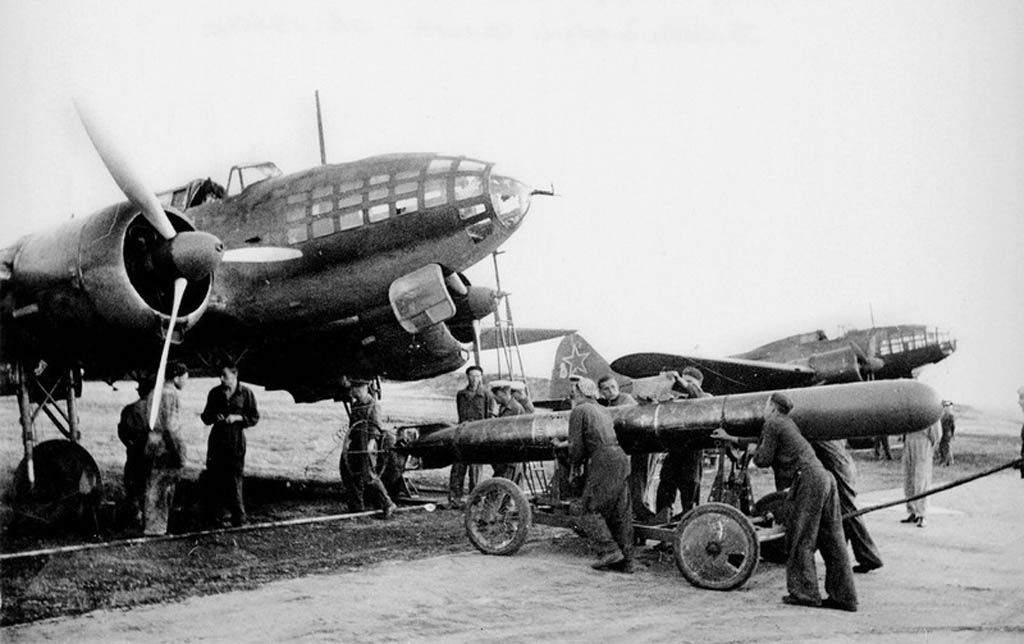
(879, 353)
(305, 279)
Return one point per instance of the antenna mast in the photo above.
(320, 128)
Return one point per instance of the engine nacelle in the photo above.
(837, 366)
(478, 303)
(101, 276)
(426, 354)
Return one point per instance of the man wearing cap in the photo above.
(507, 406)
(816, 522)
(133, 430)
(472, 403)
(948, 427)
(230, 410)
(356, 465)
(682, 468)
(604, 512)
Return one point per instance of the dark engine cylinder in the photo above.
(837, 366)
(103, 274)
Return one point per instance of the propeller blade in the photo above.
(476, 342)
(130, 183)
(179, 293)
(261, 254)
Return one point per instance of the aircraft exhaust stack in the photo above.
(823, 413)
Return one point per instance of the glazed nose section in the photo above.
(510, 199)
(947, 343)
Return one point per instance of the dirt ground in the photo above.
(958, 580)
(416, 578)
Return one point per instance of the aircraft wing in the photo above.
(721, 375)
(490, 338)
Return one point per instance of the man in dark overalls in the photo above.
(816, 523)
(230, 409)
(133, 430)
(357, 467)
(474, 402)
(604, 512)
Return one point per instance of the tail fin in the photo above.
(575, 357)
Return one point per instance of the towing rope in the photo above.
(935, 490)
(428, 507)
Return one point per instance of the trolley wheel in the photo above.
(715, 547)
(498, 517)
(778, 506)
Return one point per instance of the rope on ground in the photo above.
(429, 507)
(339, 439)
(935, 490)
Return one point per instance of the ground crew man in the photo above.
(816, 523)
(837, 461)
(917, 471)
(230, 409)
(390, 465)
(948, 423)
(522, 396)
(165, 452)
(133, 430)
(357, 467)
(472, 403)
(682, 468)
(507, 406)
(639, 464)
(603, 512)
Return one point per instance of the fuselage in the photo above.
(358, 226)
(900, 349)
(327, 244)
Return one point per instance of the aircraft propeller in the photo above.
(192, 255)
(869, 363)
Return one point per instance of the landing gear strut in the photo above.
(58, 481)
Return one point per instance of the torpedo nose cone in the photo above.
(196, 254)
(920, 403)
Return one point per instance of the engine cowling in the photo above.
(478, 303)
(837, 366)
(413, 357)
(102, 275)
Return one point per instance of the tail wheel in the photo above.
(716, 547)
(498, 517)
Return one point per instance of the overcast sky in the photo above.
(728, 173)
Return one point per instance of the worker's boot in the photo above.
(608, 560)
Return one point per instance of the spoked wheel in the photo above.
(498, 517)
(715, 547)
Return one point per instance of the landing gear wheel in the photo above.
(498, 517)
(775, 503)
(715, 547)
(67, 486)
